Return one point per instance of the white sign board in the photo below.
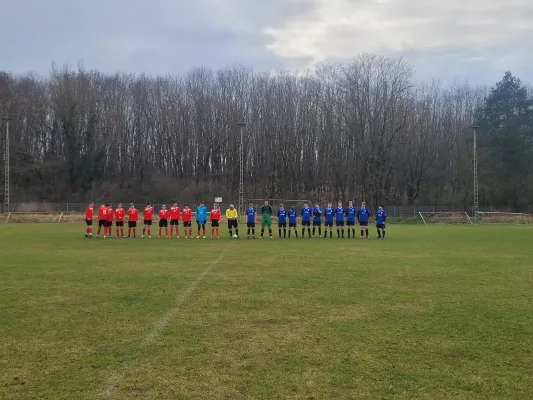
(218, 199)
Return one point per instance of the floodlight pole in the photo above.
(241, 125)
(6, 159)
(476, 187)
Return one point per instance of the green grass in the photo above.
(432, 312)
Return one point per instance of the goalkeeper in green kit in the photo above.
(266, 219)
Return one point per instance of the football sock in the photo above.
(248, 231)
(284, 232)
(362, 231)
(338, 233)
(237, 231)
(217, 232)
(330, 233)
(383, 233)
(366, 232)
(212, 232)
(348, 233)
(303, 232)
(289, 233)
(353, 232)
(342, 233)
(309, 231)
(230, 233)
(270, 232)
(279, 232)
(203, 230)
(379, 234)
(148, 231)
(262, 231)
(134, 232)
(319, 231)
(296, 232)
(253, 232)
(313, 231)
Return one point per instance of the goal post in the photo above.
(445, 217)
(495, 217)
(34, 217)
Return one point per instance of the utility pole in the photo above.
(6, 159)
(241, 125)
(476, 187)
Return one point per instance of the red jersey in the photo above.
(187, 214)
(119, 214)
(89, 213)
(174, 213)
(215, 214)
(133, 215)
(102, 213)
(148, 213)
(110, 214)
(163, 214)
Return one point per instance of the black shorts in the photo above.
(215, 223)
(350, 223)
(109, 224)
(330, 224)
(102, 222)
(148, 222)
(89, 222)
(292, 224)
(163, 223)
(339, 223)
(187, 224)
(250, 225)
(282, 224)
(174, 222)
(380, 226)
(200, 224)
(119, 223)
(132, 224)
(306, 223)
(363, 223)
(232, 223)
(317, 223)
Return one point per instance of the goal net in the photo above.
(51, 217)
(450, 217)
(502, 218)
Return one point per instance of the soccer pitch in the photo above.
(432, 312)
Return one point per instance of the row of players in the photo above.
(106, 216)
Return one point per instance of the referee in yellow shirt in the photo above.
(231, 215)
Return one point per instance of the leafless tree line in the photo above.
(365, 130)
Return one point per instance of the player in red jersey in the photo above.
(89, 220)
(119, 218)
(148, 213)
(175, 219)
(110, 215)
(215, 220)
(133, 217)
(163, 220)
(187, 217)
(102, 219)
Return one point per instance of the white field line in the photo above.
(158, 327)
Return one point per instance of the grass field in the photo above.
(432, 312)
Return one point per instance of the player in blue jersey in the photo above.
(362, 217)
(339, 219)
(329, 214)
(306, 219)
(282, 221)
(381, 217)
(317, 220)
(351, 213)
(250, 220)
(292, 214)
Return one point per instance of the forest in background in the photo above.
(366, 129)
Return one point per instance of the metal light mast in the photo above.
(241, 125)
(476, 186)
(6, 159)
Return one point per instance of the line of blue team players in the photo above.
(313, 216)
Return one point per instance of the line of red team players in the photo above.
(106, 215)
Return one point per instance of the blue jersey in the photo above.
(362, 214)
(329, 212)
(339, 213)
(250, 212)
(350, 213)
(317, 214)
(381, 216)
(292, 216)
(201, 214)
(306, 214)
(282, 216)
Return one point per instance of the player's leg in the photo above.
(309, 230)
(320, 230)
(236, 225)
(279, 231)
(362, 230)
(284, 231)
(253, 230)
(262, 228)
(248, 229)
(366, 231)
(314, 229)
(378, 229)
(342, 230)
(338, 230)
(230, 229)
(269, 223)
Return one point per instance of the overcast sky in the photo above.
(475, 40)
